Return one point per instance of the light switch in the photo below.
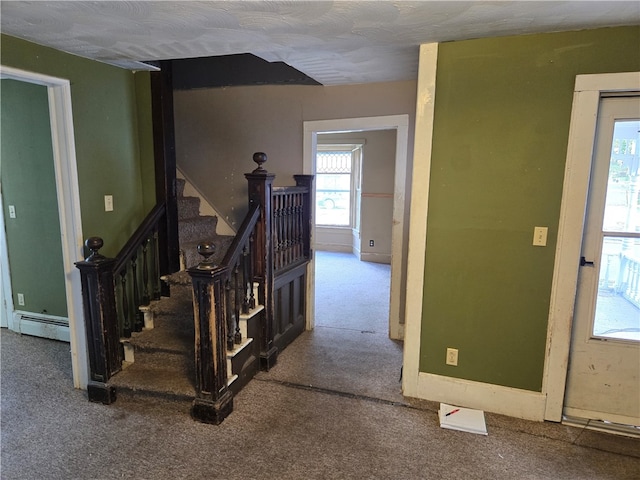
(540, 236)
(108, 203)
(12, 211)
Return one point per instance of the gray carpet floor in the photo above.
(298, 421)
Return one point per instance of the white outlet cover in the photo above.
(540, 236)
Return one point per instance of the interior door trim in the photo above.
(586, 99)
(66, 174)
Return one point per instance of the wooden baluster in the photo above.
(126, 328)
(279, 231)
(246, 280)
(294, 230)
(155, 255)
(299, 227)
(146, 299)
(252, 297)
(287, 227)
(228, 313)
(137, 314)
(237, 303)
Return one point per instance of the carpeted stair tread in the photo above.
(188, 207)
(197, 229)
(159, 374)
(170, 334)
(181, 299)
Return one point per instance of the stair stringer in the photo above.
(244, 361)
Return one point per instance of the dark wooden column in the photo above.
(101, 323)
(307, 182)
(260, 193)
(214, 401)
(164, 147)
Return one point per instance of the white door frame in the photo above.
(400, 123)
(586, 99)
(66, 174)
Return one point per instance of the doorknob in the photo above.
(584, 263)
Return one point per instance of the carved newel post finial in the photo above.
(259, 158)
(206, 249)
(94, 244)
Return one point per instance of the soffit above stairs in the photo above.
(335, 43)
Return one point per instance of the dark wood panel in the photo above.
(290, 306)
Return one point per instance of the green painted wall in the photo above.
(502, 114)
(28, 184)
(108, 150)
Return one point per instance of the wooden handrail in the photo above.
(142, 232)
(245, 231)
(104, 307)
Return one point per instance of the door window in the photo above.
(617, 312)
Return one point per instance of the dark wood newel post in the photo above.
(214, 401)
(101, 323)
(261, 193)
(307, 182)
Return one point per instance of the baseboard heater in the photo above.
(41, 325)
(48, 320)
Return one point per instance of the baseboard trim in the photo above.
(509, 401)
(376, 257)
(333, 247)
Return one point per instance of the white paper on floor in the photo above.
(463, 419)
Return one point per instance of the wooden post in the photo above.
(307, 182)
(261, 193)
(214, 401)
(164, 147)
(101, 323)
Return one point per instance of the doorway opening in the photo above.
(354, 127)
(354, 299)
(68, 198)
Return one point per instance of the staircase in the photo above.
(228, 312)
(159, 360)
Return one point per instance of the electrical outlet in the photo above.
(540, 236)
(371, 243)
(452, 356)
(108, 203)
(21, 299)
(12, 211)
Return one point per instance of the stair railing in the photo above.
(113, 290)
(220, 293)
(274, 236)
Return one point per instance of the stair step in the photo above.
(245, 317)
(188, 207)
(161, 374)
(197, 229)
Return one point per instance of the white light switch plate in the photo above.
(108, 203)
(540, 236)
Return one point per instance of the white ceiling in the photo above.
(334, 42)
